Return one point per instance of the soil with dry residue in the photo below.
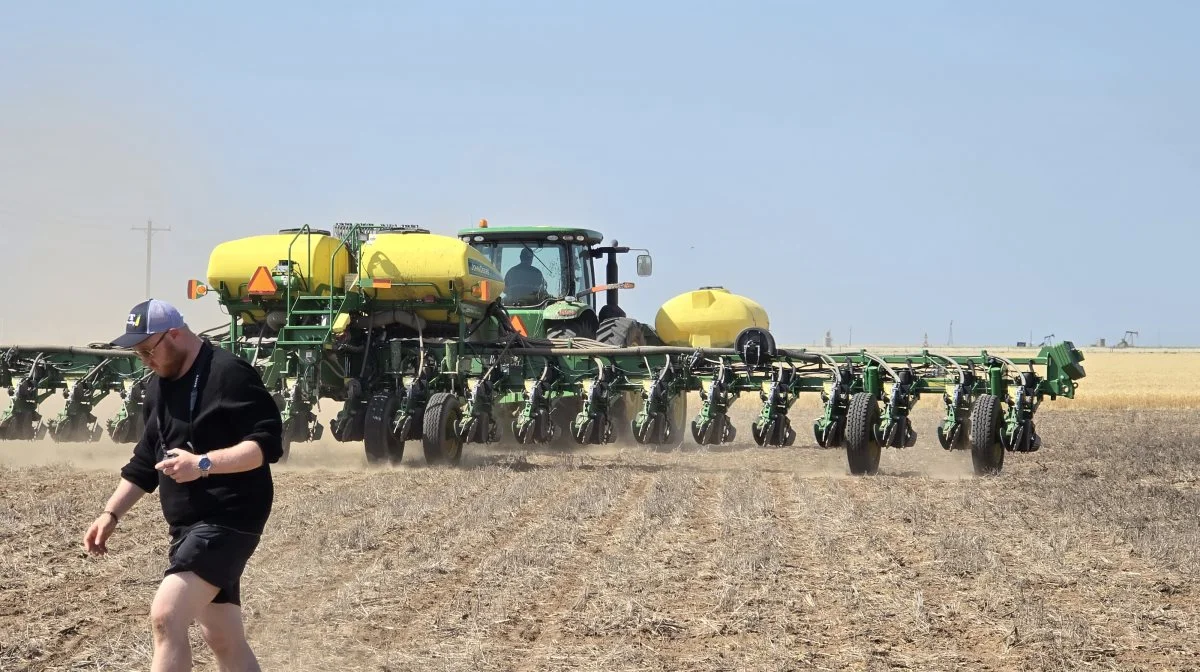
(1083, 555)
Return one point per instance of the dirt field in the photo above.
(1083, 555)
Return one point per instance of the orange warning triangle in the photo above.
(519, 326)
(262, 282)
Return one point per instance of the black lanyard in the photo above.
(192, 401)
(202, 362)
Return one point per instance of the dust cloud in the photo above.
(85, 158)
(925, 460)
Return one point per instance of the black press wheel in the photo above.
(439, 436)
(987, 453)
(380, 442)
(679, 423)
(668, 431)
(862, 450)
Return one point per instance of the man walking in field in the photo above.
(211, 432)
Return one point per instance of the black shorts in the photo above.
(215, 553)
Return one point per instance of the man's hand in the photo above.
(96, 536)
(183, 468)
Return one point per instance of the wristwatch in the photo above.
(205, 465)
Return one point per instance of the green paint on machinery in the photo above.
(84, 376)
(438, 340)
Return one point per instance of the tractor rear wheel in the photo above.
(579, 327)
(862, 450)
(380, 441)
(440, 436)
(987, 453)
(622, 332)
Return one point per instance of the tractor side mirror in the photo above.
(645, 265)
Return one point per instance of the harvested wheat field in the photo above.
(1083, 555)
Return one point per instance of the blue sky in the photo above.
(1018, 168)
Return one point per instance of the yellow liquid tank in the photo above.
(232, 263)
(710, 317)
(429, 262)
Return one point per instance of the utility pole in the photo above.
(149, 229)
(950, 337)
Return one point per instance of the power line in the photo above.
(149, 229)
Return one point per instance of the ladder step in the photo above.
(305, 327)
(310, 312)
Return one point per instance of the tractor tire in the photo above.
(987, 453)
(378, 439)
(622, 332)
(862, 450)
(574, 328)
(439, 436)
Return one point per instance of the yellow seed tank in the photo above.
(318, 257)
(710, 317)
(421, 265)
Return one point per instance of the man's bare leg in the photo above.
(179, 601)
(222, 627)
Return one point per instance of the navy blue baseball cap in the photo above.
(146, 319)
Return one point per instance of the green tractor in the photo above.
(551, 282)
(550, 292)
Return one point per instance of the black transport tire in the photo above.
(862, 450)
(987, 453)
(439, 436)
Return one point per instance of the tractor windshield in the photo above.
(536, 271)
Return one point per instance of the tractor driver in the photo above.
(523, 281)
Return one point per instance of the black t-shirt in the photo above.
(231, 405)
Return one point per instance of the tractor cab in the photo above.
(550, 282)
